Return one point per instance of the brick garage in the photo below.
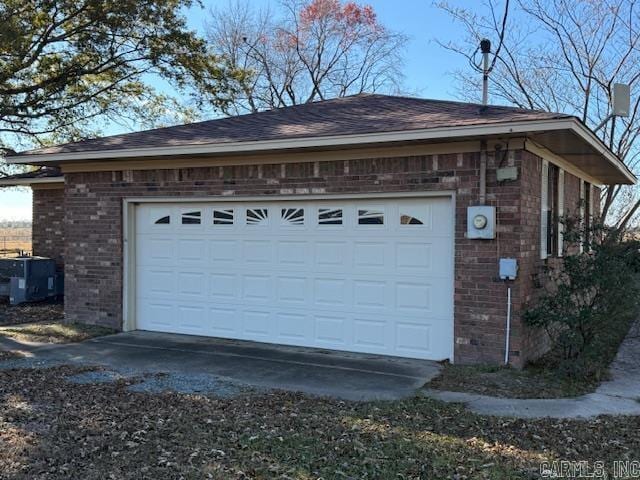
(93, 205)
(95, 190)
(48, 222)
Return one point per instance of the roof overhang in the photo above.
(27, 182)
(565, 137)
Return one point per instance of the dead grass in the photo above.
(52, 429)
(508, 382)
(14, 240)
(54, 332)
(546, 378)
(31, 312)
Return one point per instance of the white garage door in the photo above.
(371, 276)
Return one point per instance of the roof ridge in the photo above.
(460, 102)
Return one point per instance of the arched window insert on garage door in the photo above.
(163, 220)
(409, 220)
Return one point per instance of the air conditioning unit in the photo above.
(29, 279)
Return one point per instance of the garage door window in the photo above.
(163, 220)
(257, 216)
(191, 218)
(330, 216)
(370, 217)
(292, 216)
(409, 220)
(223, 216)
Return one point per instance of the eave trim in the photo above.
(25, 182)
(507, 128)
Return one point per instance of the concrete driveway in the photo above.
(342, 375)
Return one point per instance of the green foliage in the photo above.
(589, 299)
(65, 63)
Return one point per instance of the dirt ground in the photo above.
(30, 312)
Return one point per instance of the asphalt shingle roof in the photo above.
(42, 172)
(358, 114)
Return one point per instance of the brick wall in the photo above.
(48, 223)
(534, 342)
(93, 203)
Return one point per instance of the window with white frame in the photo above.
(552, 210)
(586, 212)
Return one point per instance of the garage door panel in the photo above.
(224, 252)
(293, 290)
(413, 338)
(192, 285)
(364, 276)
(433, 257)
(414, 257)
(331, 254)
(414, 297)
(423, 298)
(293, 325)
(369, 255)
(191, 251)
(224, 321)
(370, 294)
(257, 324)
(155, 282)
(157, 251)
(193, 319)
(156, 315)
(331, 330)
(257, 288)
(371, 334)
(293, 253)
(257, 252)
(331, 292)
(224, 287)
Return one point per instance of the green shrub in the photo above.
(589, 300)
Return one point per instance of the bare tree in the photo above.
(310, 50)
(564, 56)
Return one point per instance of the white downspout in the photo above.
(508, 333)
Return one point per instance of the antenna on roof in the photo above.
(620, 103)
(485, 48)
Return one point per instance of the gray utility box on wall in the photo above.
(481, 222)
(28, 279)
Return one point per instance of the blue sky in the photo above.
(428, 67)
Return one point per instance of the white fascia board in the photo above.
(306, 142)
(25, 182)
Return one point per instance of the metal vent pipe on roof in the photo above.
(485, 48)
